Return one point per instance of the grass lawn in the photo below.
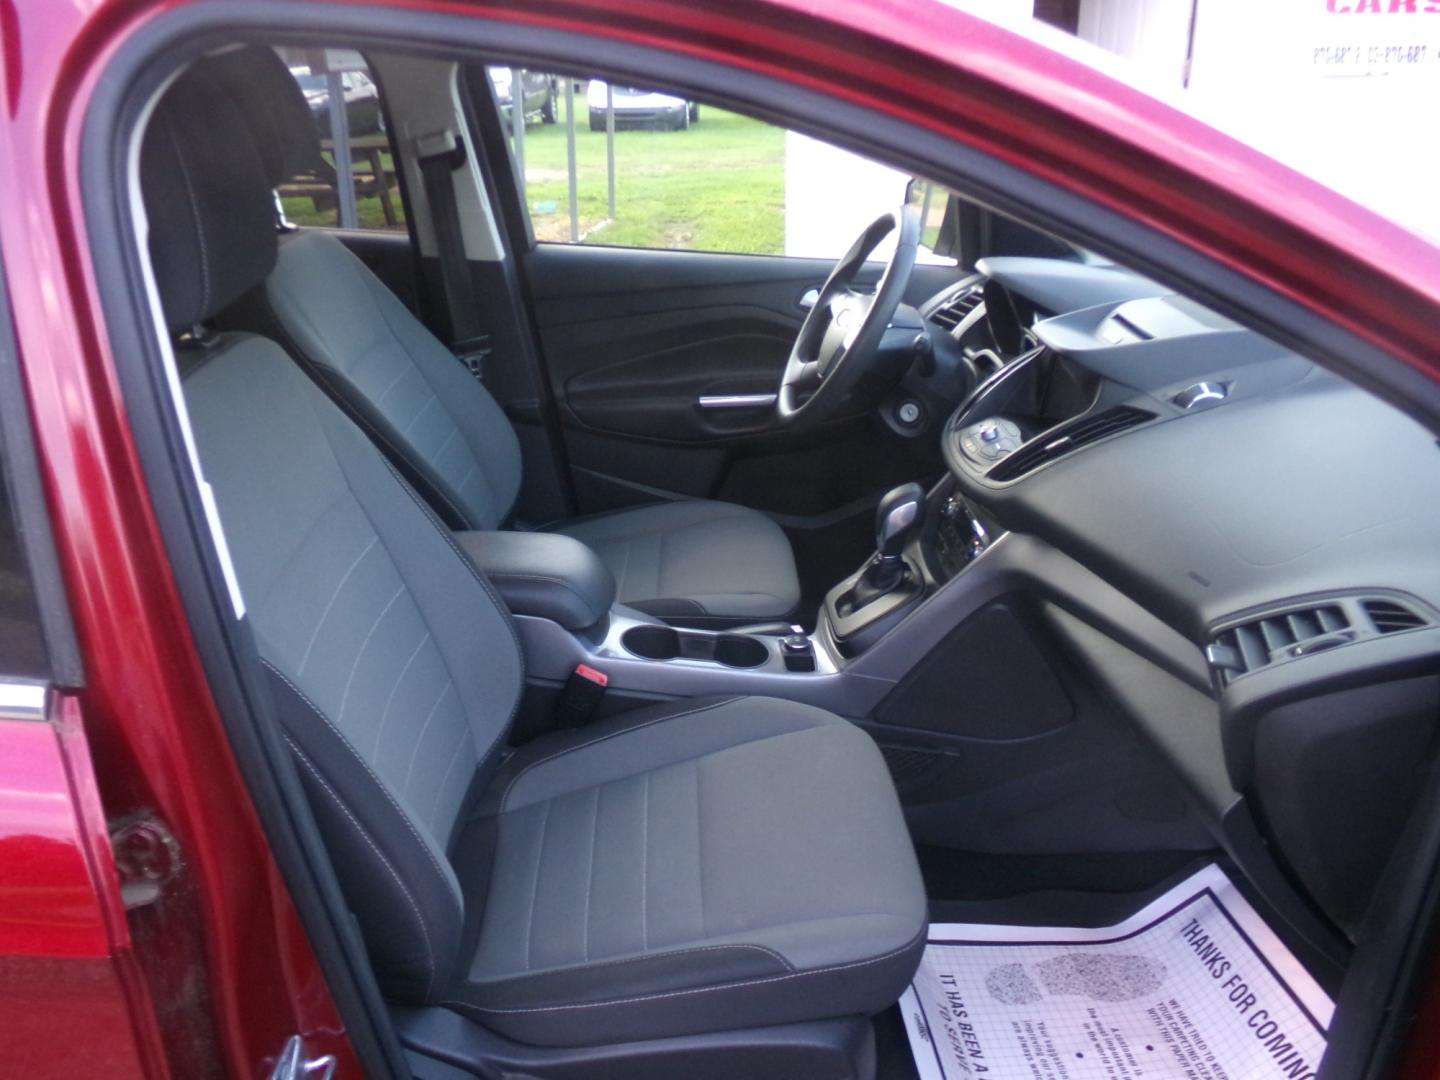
(718, 186)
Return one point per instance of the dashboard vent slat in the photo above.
(952, 312)
(1069, 437)
(1254, 644)
(1390, 617)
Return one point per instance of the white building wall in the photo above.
(1152, 34)
(1344, 91)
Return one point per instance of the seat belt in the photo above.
(440, 155)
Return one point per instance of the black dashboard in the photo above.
(1284, 521)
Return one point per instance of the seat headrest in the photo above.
(274, 107)
(212, 217)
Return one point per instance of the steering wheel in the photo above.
(837, 343)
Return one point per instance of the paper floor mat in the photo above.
(1194, 986)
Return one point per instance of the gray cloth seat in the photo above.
(690, 561)
(720, 858)
(692, 867)
(441, 427)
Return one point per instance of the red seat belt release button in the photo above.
(581, 696)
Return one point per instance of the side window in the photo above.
(685, 176)
(26, 554)
(356, 188)
(22, 643)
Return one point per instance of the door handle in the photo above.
(735, 401)
(809, 298)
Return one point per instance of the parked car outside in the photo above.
(635, 107)
(538, 88)
(362, 100)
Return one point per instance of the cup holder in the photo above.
(667, 643)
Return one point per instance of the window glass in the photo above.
(686, 176)
(22, 644)
(22, 635)
(356, 132)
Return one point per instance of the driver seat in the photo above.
(692, 562)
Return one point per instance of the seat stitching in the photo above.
(374, 428)
(360, 652)
(603, 738)
(420, 738)
(590, 878)
(535, 883)
(404, 370)
(364, 835)
(736, 985)
(405, 431)
(466, 733)
(501, 610)
(665, 955)
(390, 701)
(315, 634)
(371, 282)
(465, 560)
(364, 765)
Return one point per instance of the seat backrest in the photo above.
(395, 669)
(410, 394)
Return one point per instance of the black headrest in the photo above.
(274, 107)
(212, 217)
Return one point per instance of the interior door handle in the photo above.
(809, 298)
(735, 401)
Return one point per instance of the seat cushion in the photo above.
(695, 561)
(692, 867)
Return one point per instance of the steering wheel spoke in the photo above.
(838, 340)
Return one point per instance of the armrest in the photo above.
(544, 574)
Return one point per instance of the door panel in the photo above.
(634, 338)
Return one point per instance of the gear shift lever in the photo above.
(899, 514)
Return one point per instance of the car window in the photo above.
(23, 651)
(686, 175)
(371, 198)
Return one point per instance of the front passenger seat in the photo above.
(687, 869)
(694, 562)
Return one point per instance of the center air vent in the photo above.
(1390, 617)
(952, 312)
(1067, 437)
(1252, 645)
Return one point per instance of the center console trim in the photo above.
(855, 687)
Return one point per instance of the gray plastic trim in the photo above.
(854, 688)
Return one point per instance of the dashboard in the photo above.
(1280, 519)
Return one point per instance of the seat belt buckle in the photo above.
(473, 352)
(581, 696)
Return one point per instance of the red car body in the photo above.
(215, 983)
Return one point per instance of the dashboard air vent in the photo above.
(1062, 440)
(1390, 617)
(952, 312)
(1252, 645)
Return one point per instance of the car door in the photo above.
(665, 313)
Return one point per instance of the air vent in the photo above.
(1390, 617)
(1062, 440)
(1252, 645)
(952, 313)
